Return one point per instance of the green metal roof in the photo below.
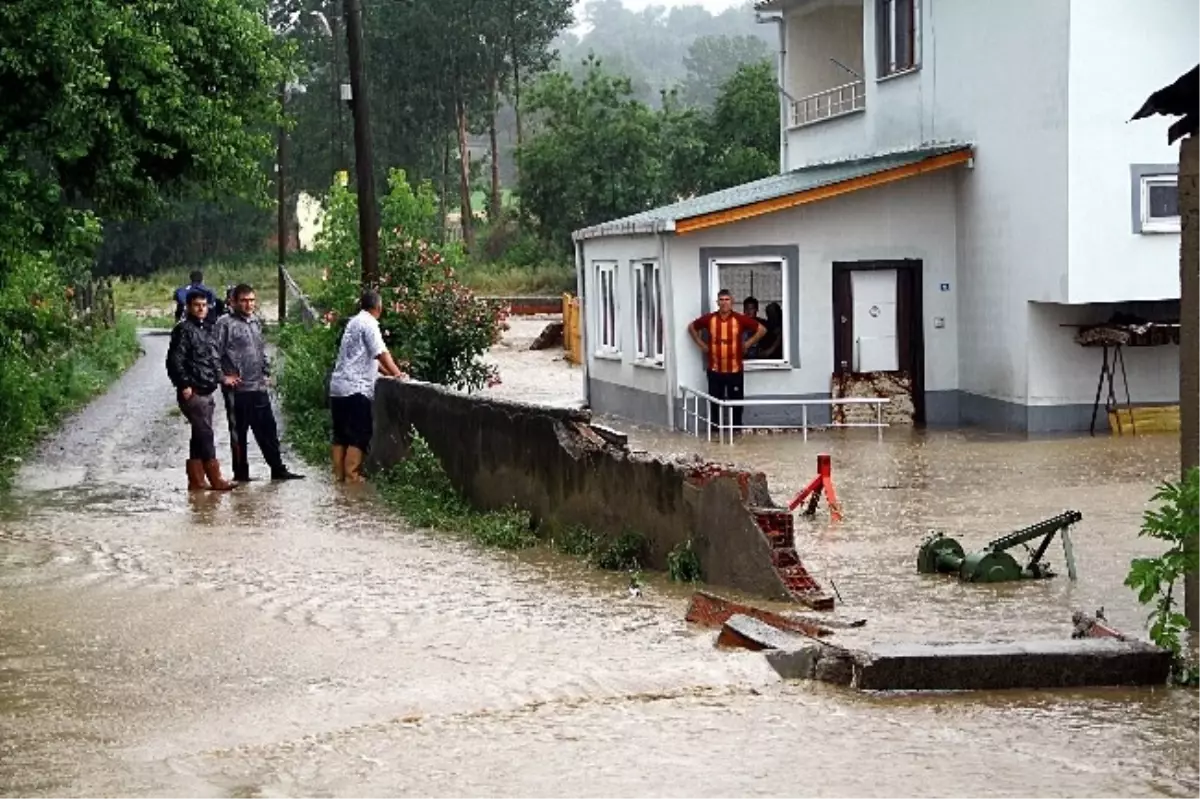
(663, 219)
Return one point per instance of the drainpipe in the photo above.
(783, 95)
(670, 344)
(583, 322)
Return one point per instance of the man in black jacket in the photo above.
(194, 366)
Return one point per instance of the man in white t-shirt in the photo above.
(362, 356)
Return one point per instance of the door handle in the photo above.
(857, 354)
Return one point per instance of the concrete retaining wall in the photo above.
(555, 464)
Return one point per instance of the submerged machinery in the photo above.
(940, 554)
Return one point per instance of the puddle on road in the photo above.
(291, 639)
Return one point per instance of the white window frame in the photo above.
(1157, 224)
(888, 69)
(607, 273)
(649, 344)
(714, 285)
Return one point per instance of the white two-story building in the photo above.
(958, 192)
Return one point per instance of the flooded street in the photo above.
(296, 639)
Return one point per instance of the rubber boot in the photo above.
(195, 475)
(212, 470)
(354, 459)
(339, 463)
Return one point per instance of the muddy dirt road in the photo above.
(294, 639)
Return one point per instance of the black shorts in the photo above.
(352, 424)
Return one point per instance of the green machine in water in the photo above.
(940, 554)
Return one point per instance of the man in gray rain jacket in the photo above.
(247, 404)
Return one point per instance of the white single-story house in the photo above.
(939, 231)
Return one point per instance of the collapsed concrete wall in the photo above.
(554, 463)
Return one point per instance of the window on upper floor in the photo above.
(607, 309)
(1157, 204)
(897, 34)
(648, 312)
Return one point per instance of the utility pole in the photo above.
(1189, 336)
(281, 201)
(364, 165)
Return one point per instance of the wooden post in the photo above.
(1189, 336)
(364, 162)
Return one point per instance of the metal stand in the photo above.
(1108, 371)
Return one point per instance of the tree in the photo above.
(598, 156)
(743, 131)
(712, 60)
(600, 153)
(124, 106)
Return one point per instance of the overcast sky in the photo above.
(713, 6)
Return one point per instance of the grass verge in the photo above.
(35, 394)
(150, 298)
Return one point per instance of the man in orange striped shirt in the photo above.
(719, 335)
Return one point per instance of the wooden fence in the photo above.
(572, 313)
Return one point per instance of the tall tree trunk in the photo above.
(445, 188)
(494, 199)
(517, 97)
(1189, 337)
(464, 174)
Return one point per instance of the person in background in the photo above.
(771, 346)
(750, 309)
(196, 283)
(194, 367)
(362, 357)
(247, 404)
(725, 348)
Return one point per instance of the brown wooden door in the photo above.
(865, 348)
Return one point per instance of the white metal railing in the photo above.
(692, 397)
(835, 102)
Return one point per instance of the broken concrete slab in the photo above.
(1076, 663)
(710, 610)
(1024, 664)
(745, 632)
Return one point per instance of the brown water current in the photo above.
(297, 639)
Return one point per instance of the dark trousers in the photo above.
(198, 410)
(251, 411)
(727, 386)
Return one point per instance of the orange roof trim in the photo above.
(692, 224)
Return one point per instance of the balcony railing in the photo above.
(835, 102)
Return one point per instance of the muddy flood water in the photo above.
(297, 639)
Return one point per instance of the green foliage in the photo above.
(1176, 522)
(419, 488)
(624, 554)
(309, 353)
(432, 321)
(683, 565)
(124, 105)
(743, 130)
(578, 541)
(61, 373)
(600, 154)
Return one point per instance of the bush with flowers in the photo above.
(434, 325)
